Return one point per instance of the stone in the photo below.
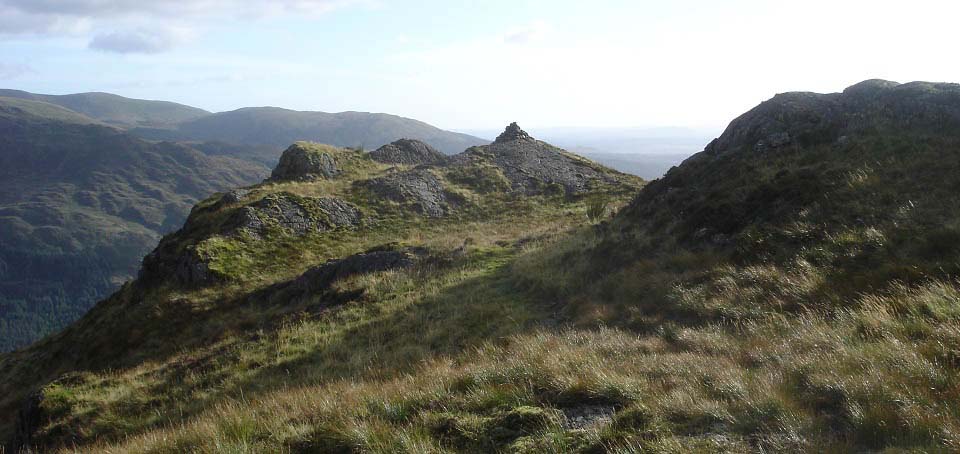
(513, 133)
(301, 163)
(320, 278)
(418, 187)
(293, 214)
(408, 152)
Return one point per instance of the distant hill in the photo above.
(22, 108)
(117, 110)
(254, 133)
(276, 127)
(80, 203)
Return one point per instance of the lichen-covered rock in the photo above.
(418, 187)
(408, 152)
(535, 167)
(301, 162)
(293, 214)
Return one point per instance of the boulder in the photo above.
(293, 214)
(418, 187)
(408, 152)
(301, 162)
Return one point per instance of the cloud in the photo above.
(46, 18)
(130, 42)
(532, 32)
(14, 70)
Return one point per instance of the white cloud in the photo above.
(128, 42)
(148, 26)
(532, 32)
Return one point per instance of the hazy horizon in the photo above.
(691, 64)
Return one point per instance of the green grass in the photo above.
(738, 311)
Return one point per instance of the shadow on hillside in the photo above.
(392, 341)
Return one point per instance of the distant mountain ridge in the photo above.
(117, 110)
(277, 127)
(268, 130)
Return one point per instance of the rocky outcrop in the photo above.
(535, 167)
(320, 278)
(300, 162)
(293, 214)
(280, 213)
(408, 152)
(873, 106)
(418, 187)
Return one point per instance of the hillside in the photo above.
(80, 203)
(278, 128)
(792, 288)
(249, 261)
(116, 110)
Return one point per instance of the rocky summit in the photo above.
(531, 166)
(407, 152)
(513, 133)
(804, 119)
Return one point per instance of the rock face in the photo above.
(301, 163)
(535, 167)
(870, 106)
(408, 152)
(418, 187)
(282, 213)
(293, 214)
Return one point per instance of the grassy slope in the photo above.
(231, 339)
(796, 299)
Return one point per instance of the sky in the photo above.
(461, 64)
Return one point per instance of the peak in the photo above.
(870, 86)
(512, 133)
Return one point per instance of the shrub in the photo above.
(597, 208)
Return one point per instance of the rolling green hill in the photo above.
(80, 203)
(278, 128)
(117, 110)
(792, 288)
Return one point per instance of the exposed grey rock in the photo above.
(319, 278)
(408, 152)
(418, 187)
(300, 163)
(192, 269)
(534, 167)
(293, 214)
(281, 212)
(231, 198)
(234, 196)
(513, 133)
(584, 416)
(873, 106)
